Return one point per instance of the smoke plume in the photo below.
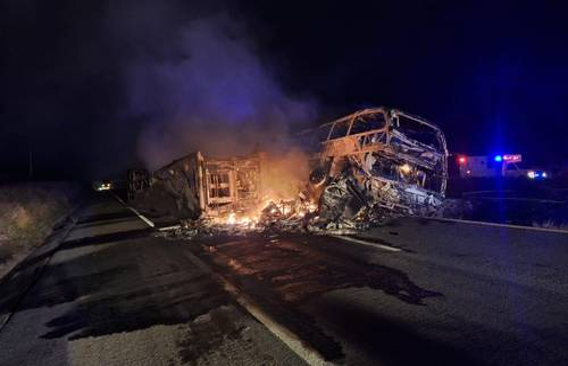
(208, 90)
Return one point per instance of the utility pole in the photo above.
(30, 161)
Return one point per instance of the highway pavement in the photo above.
(414, 291)
(112, 294)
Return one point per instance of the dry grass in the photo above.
(27, 215)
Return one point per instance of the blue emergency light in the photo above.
(498, 158)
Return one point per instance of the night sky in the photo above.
(86, 85)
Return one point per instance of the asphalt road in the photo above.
(412, 292)
(112, 294)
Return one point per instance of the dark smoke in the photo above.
(91, 87)
(208, 90)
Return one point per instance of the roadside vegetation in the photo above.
(28, 213)
(510, 201)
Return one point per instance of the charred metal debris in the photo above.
(365, 167)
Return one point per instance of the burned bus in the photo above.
(381, 159)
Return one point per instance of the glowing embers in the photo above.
(290, 212)
(405, 169)
(234, 219)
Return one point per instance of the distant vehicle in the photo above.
(104, 185)
(480, 166)
(537, 174)
(487, 166)
(518, 170)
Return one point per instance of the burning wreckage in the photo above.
(360, 169)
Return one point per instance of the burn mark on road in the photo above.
(209, 331)
(386, 340)
(126, 286)
(283, 275)
(297, 271)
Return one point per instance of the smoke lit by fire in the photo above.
(211, 93)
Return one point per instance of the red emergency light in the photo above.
(462, 160)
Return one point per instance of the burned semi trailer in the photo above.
(375, 163)
(194, 185)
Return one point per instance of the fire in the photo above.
(232, 219)
(269, 211)
(277, 190)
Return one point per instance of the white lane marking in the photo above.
(168, 228)
(140, 216)
(484, 223)
(369, 243)
(119, 199)
(516, 199)
(230, 243)
(289, 338)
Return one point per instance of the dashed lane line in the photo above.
(494, 224)
(369, 243)
(140, 216)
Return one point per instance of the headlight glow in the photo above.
(531, 174)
